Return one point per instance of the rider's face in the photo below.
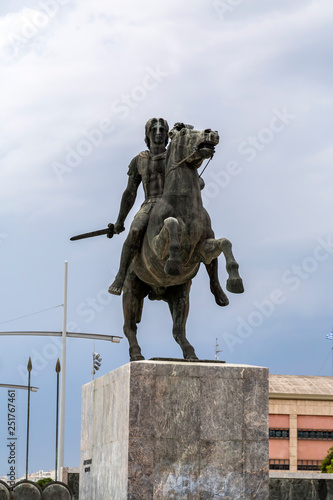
(158, 133)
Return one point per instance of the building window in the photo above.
(308, 465)
(315, 434)
(279, 433)
(278, 464)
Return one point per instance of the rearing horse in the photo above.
(178, 238)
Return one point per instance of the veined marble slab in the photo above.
(176, 430)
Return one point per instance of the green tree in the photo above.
(44, 481)
(327, 463)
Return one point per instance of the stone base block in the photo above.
(175, 430)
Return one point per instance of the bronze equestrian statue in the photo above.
(148, 167)
(171, 234)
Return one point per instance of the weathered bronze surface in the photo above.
(171, 234)
(109, 231)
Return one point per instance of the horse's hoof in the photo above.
(235, 285)
(173, 267)
(221, 300)
(192, 357)
(190, 354)
(137, 358)
(220, 297)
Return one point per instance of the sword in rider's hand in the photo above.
(109, 231)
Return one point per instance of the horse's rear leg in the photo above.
(178, 300)
(211, 248)
(220, 297)
(133, 296)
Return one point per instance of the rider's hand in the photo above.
(119, 227)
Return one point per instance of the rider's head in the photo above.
(156, 130)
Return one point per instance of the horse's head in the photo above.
(191, 146)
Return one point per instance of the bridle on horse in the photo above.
(185, 159)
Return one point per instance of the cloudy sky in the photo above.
(78, 82)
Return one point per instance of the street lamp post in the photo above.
(64, 334)
(14, 386)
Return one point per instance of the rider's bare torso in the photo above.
(149, 169)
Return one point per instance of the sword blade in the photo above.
(108, 231)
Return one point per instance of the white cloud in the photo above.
(228, 75)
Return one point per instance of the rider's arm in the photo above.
(127, 202)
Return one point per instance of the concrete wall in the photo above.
(300, 486)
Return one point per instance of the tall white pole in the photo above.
(63, 379)
(93, 359)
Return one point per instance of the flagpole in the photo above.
(28, 420)
(63, 378)
(58, 370)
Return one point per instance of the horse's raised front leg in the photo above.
(211, 248)
(178, 300)
(133, 295)
(167, 243)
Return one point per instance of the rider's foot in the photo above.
(220, 297)
(116, 287)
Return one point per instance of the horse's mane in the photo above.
(178, 126)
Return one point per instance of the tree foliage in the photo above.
(44, 481)
(327, 463)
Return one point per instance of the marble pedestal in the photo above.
(175, 430)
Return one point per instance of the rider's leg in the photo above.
(130, 248)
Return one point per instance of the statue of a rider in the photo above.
(148, 167)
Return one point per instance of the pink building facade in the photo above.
(300, 422)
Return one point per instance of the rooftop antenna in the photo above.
(217, 350)
(329, 336)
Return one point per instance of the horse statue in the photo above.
(179, 237)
